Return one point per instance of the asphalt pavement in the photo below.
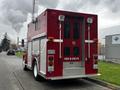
(12, 77)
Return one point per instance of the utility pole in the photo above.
(18, 41)
(35, 8)
(33, 12)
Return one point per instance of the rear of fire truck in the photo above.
(67, 48)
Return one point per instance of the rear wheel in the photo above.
(24, 66)
(35, 71)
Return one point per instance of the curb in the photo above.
(103, 83)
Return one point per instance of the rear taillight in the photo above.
(95, 59)
(50, 63)
(95, 62)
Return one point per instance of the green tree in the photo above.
(5, 44)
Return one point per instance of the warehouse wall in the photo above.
(112, 48)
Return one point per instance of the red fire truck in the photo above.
(62, 45)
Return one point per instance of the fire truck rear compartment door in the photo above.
(73, 61)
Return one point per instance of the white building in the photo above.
(112, 48)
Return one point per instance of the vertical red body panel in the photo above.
(53, 32)
(93, 47)
(57, 62)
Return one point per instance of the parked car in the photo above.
(11, 52)
(0, 50)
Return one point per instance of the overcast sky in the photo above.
(15, 14)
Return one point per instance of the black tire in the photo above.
(24, 67)
(35, 72)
